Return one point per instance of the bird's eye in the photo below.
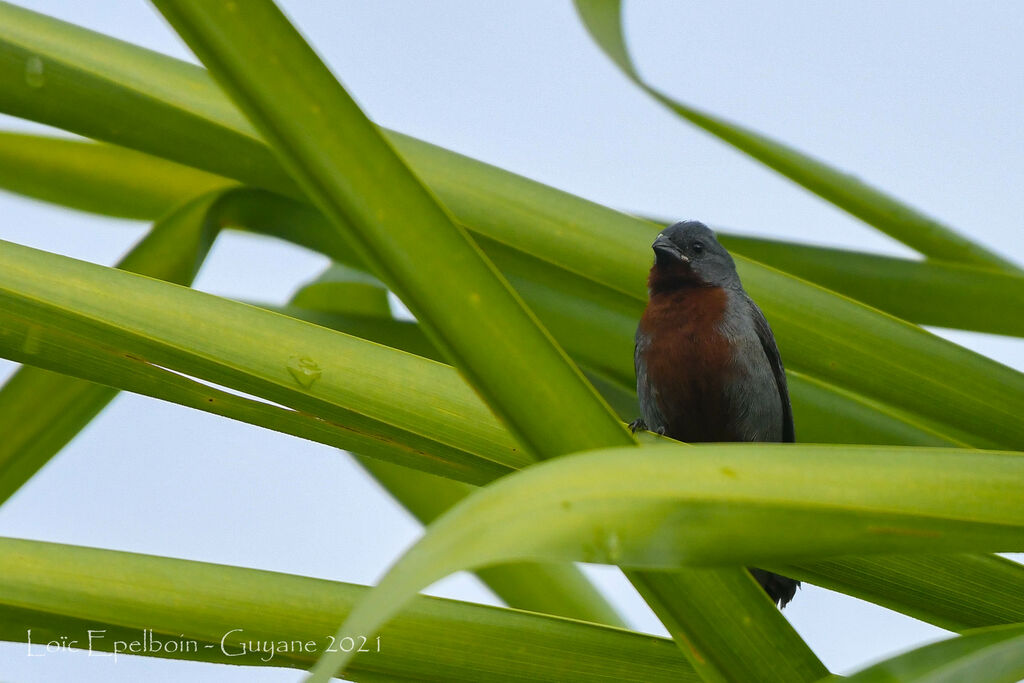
(697, 247)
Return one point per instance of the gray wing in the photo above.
(771, 350)
(646, 392)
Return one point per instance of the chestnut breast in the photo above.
(689, 362)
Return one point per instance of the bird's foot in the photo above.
(638, 425)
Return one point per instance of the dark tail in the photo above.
(779, 588)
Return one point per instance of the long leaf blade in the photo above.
(549, 588)
(67, 590)
(925, 292)
(105, 179)
(603, 20)
(662, 507)
(955, 592)
(114, 326)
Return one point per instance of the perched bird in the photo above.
(707, 367)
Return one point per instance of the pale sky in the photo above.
(921, 98)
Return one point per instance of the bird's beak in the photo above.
(665, 250)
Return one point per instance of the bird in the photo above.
(707, 365)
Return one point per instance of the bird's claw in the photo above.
(638, 425)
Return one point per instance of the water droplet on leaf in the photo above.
(305, 370)
(34, 75)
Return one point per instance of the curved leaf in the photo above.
(661, 508)
(120, 182)
(342, 289)
(603, 20)
(549, 588)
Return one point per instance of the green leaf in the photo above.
(344, 289)
(660, 507)
(955, 592)
(404, 335)
(925, 292)
(122, 329)
(62, 590)
(138, 98)
(603, 20)
(550, 588)
(120, 182)
(742, 647)
(829, 414)
(991, 655)
(100, 178)
(41, 411)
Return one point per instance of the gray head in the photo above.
(687, 254)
